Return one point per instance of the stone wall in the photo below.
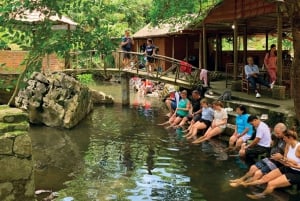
(16, 165)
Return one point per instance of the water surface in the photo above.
(119, 153)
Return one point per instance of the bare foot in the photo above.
(199, 140)
(235, 181)
(234, 184)
(256, 196)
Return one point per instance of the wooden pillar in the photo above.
(219, 50)
(245, 45)
(186, 48)
(173, 46)
(216, 53)
(204, 46)
(125, 89)
(267, 41)
(200, 50)
(279, 45)
(235, 50)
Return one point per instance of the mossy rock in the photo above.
(8, 127)
(14, 134)
(12, 115)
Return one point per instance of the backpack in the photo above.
(225, 96)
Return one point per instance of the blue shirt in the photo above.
(242, 124)
(207, 113)
(251, 69)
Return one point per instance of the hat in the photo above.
(171, 89)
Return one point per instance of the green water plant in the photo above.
(85, 79)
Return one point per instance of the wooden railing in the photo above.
(163, 66)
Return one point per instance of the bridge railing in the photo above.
(86, 59)
(162, 66)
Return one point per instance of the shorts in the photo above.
(293, 176)
(256, 150)
(126, 55)
(196, 117)
(245, 138)
(266, 165)
(177, 115)
(173, 105)
(206, 122)
(150, 59)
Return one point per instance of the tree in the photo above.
(98, 21)
(292, 8)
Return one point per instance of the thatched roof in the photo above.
(38, 16)
(170, 27)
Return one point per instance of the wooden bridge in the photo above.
(165, 69)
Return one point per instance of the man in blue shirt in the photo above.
(252, 75)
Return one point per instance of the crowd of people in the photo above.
(273, 156)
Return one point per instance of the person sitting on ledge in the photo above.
(252, 75)
(286, 175)
(260, 145)
(265, 165)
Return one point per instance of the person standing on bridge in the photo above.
(149, 52)
(126, 45)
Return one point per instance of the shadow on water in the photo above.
(119, 153)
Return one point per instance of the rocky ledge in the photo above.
(57, 100)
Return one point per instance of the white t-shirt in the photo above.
(264, 134)
(219, 116)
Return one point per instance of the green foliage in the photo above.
(174, 10)
(85, 78)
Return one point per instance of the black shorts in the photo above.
(293, 176)
(256, 150)
(150, 59)
(177, 115)
(196, 117)
(206, 122)
(126, 55)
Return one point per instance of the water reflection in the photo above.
(123, 155)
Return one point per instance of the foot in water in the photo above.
(234, 184)
(256, 196)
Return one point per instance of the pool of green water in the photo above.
(119, 153)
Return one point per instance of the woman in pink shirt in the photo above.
(270, 62)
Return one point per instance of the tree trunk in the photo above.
(296, 63)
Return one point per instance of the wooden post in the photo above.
(200, 51)
(219, 50)
(125, 89)
(186, 48)
(235, 51)
(245, 45)
(216, 53)
(204, 46)
(267, 41)
(173, 48)
(279, 45)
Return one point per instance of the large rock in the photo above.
(56, 100)
(99, 97)
(13, 169)
(22, 146)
